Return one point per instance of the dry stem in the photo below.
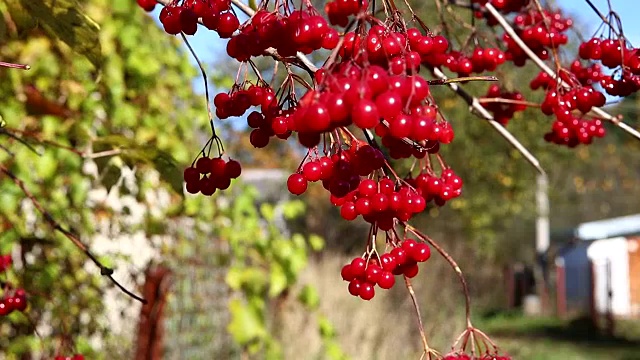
(104, 270)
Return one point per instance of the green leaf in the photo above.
(316, 242)
(309, 297)
(169, 171)
(245, 326)
(293, 209)
(278, 280)
(325, 327)
(65, 20)
(267, 211)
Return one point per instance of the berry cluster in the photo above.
(74, 357)
(439, 189)
(5, 262)
(539, 36)
(340, 173)
(568, 129)
(216, 174)
(339, 11)
(300, 31)
(465, 356)
(482, 59)
(577, 74)
(615, 54)
(239, 100)
(503, 111)
(363, 275)
(182, 16)
(12, 299)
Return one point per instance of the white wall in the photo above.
(611, 261)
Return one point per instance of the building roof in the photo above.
(603, 229)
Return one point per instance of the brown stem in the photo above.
(461, 79)
(15, 66)
(507, 101)
(104, 270)
(425, 344)
(454, 265)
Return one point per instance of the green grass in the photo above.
(541, 338)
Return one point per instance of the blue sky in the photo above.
(210, 47)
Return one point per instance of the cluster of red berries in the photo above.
(504, 6)
(381, 202)
(364, 275)
(439, 189)
(74, 357)
(216, 174)
(339, 11)
(614, 53)
(581, 98)
(464, 356)
(300, 31)
(572, 131)
(503, 111)
(537, 35)
(576, 73)
(239, 100)
(12, 299)
(5, 262)
(482, 59)
(340, 173)
(611, 52)
(182, 16)
(586, 75)
(568, 129)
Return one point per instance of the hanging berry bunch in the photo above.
(11, 298)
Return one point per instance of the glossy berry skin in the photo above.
(296, 184)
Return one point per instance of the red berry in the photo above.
(372, 274)
(233, 169)
(420, 252)
(354, 287)
(359, 268)
(346, 273)
(296, 184)
(367, 291)
(386, 280)
(203, 165)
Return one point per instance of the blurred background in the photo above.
(253, 273)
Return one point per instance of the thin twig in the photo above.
(104, 270)
(204, 79)
(14, 66)
(423, 336)
(485, 114)
(454, 265)
(462, 79)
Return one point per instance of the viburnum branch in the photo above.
(482, 112)
(542, 65)
(462, 79)
(454, 265)
(14, 66)
(104, 270)
(427, 350)
(206, 83)
(603, 17)
(507, 101)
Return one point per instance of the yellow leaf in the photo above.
(65, 20)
